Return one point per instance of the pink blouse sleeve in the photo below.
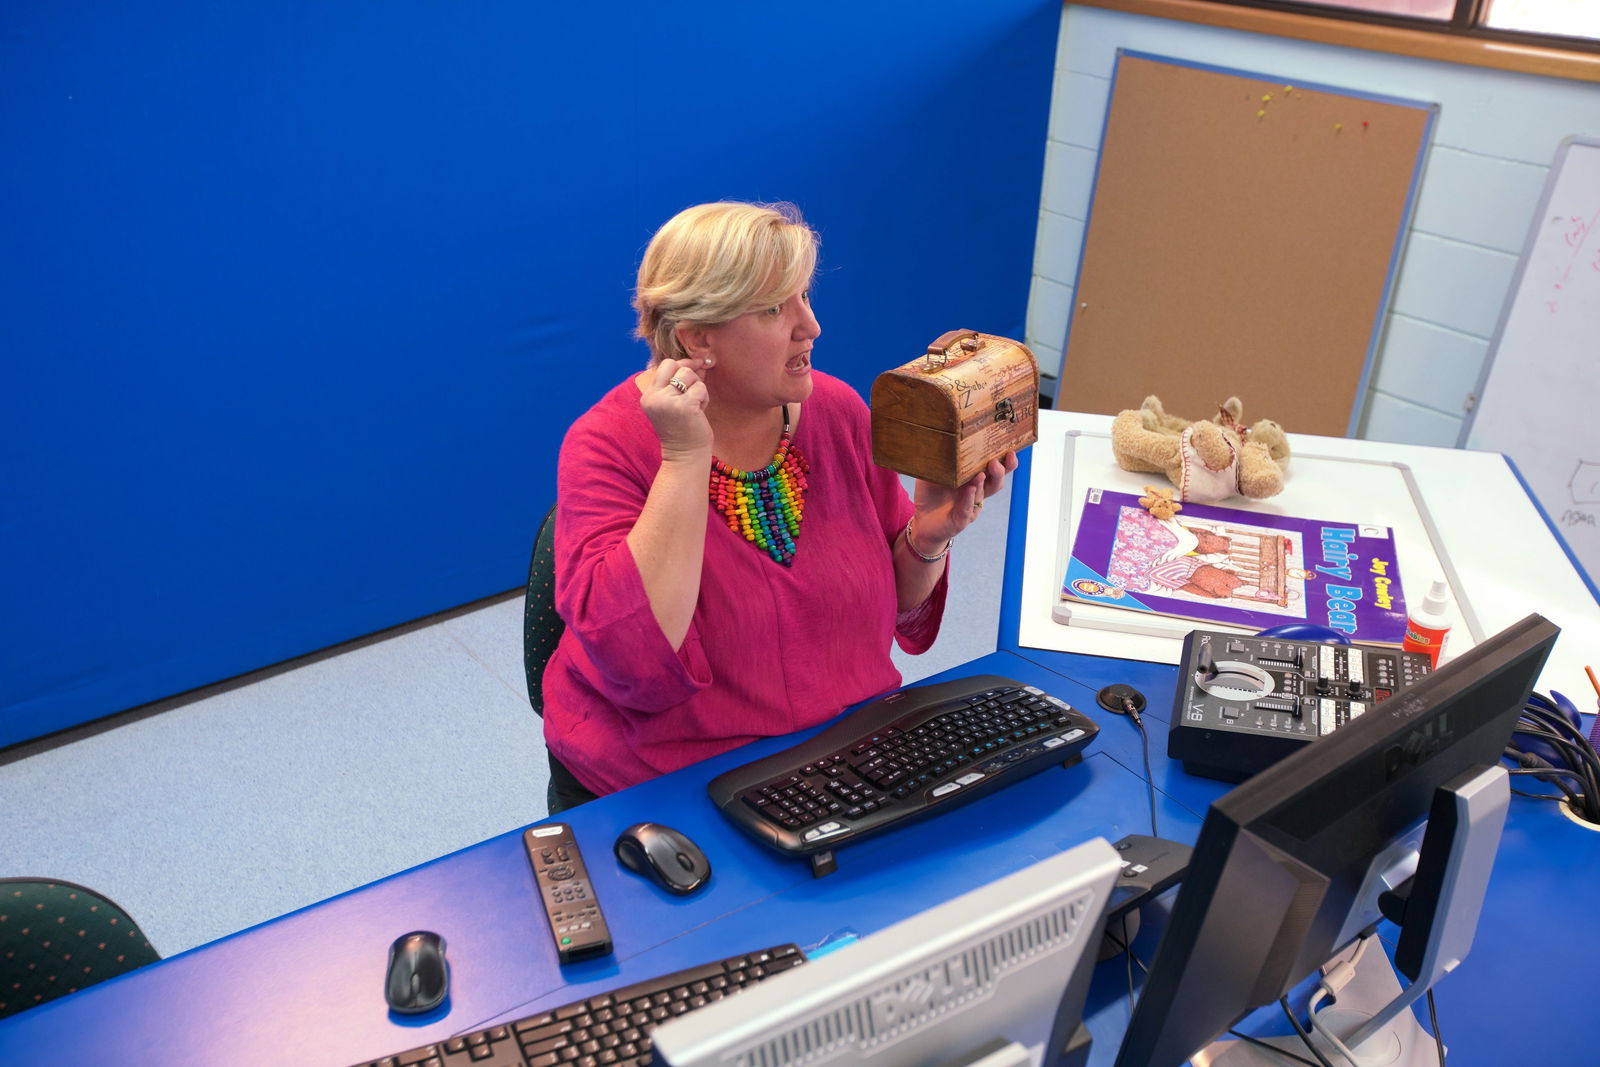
(914, 630)
(599, 591)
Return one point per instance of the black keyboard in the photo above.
(606, 1029)
(910, 754)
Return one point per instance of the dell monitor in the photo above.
(1396, 814)
(996, 977)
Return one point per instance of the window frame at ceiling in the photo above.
(1468, 20)
(1457, 41)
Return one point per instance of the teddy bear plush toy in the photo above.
(1207, 461)
(1160, 503)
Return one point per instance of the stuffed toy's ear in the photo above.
(1270, 434)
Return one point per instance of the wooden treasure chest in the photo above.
(944, 416)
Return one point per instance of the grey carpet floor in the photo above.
(209, 813)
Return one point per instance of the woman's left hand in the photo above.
(942, 513)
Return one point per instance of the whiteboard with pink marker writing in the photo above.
(1538, 399)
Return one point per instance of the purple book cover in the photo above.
(1240, 568)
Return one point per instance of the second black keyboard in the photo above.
(909, 754)
(609, 1029)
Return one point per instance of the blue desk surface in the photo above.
(306, 988)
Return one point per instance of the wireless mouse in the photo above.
(665, 856)
(419, 974)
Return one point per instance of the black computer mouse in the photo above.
(419, 974)
(665, 856)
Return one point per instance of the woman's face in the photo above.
(762, 358)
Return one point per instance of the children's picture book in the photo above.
(1238, 568)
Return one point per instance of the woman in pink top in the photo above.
(729, 561)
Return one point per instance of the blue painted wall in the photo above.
(298, 297)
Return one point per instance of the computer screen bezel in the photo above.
(963, 977)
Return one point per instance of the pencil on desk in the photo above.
(1594, 731)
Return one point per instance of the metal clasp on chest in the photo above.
(1005, 411)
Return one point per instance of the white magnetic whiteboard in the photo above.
(1067, 461)
(1539, 394)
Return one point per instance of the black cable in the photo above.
(1558, 721)
(1123, 699)
(1128, 952)
(1589, 779)
(1563, 726)
(1575, 754)
(1433, 1019)
(1294, 1021)
(1274, 1048)
(1149, 779)
(1128, 949)
(1559, 772)
(1576, 797)
(1528, 763)
(1536, 796)
(1543, 720)
(1573, 798)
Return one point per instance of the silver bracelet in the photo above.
(912, 545)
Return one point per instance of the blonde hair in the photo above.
(712, 263)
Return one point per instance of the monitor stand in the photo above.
(1372, 1015)
(1402, 1043)
(997, 1053)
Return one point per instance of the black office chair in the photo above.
(57, 938)
(542, 628)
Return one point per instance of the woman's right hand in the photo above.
(668, 538)
(678, 415)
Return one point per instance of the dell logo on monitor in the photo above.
(1418, 746)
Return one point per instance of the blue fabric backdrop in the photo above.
(298, 297)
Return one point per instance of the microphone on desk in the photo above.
(1122, 699)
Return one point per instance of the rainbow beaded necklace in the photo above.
(765, 506)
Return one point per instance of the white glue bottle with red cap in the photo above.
(1428, 625)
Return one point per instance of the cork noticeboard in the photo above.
(1243, 238)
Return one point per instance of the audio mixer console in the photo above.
(1243, 702)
